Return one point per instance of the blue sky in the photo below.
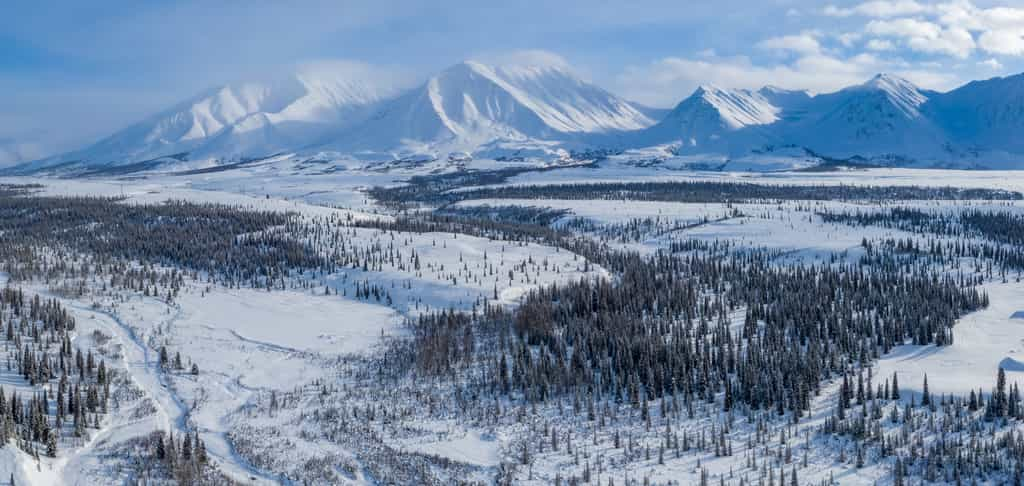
(71, 72)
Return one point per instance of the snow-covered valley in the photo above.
(320, 374)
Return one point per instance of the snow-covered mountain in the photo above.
(473, 106)
(13, 152)
(878, 118)
(248, 119)
(485, 111)
(886, 120)
(791, 103)
(713, 119)
(983, 115)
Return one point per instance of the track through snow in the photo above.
(144, 366)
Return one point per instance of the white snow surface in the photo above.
(983, 342)
(249, 343)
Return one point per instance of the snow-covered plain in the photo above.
(251, 343)
(983, 342)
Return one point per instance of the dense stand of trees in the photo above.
(431, 193)
(997, 226)
(991, 238)
(71, 388)
(184, 458)
(230, 243)
(698, 326)
(497, 224)
(958, 439)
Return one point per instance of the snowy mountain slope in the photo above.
(717, 120)
(790, 102)
(983, 114)
(883, 120)
(878, 118)
(735, 108)
(249, 119)
(544, 112)
(654, 113)
(471, 105)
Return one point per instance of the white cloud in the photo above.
(947, 28)
(525, 58)
(937, 79)
(879, 9)
(903, 28)
(955, 42)
(833, 11)
(384, 80)
(954, 27)
(1006, 42)
(667, 81)
(848, 39)
(963, 13)
(1001, 28)
(925, 36)
(932, 44)
(880, 45)
(992, 64)
(1004, 17)
(892, 8)
(804, 43)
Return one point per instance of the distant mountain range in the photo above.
(473, 110)
(13, 152)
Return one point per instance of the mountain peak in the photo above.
(466, 68)
(473, 106)
(248, 118)
(889, 81)
(707, 88)
(523, 70)
(772, 90)
(736, 107)
(904, 94)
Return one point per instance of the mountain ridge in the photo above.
(473, 109)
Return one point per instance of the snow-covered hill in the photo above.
(527, 111)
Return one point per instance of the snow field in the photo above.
(248, 343)
(458, 271)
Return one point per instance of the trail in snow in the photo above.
(144, 366)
